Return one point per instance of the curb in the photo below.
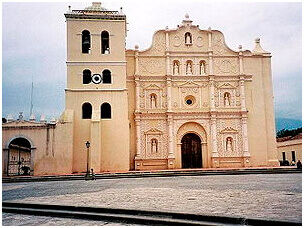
(143, 174)
(136, 216)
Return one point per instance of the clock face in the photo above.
(96, 78)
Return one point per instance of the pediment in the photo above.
(228, 130)
(152, 86)
(189, 83)
(226, 85)
(153, 131)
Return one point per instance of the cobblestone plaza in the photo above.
(266, 196)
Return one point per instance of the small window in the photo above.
(106, 75)
(105, 48)
(86, 111)
(86, 77)
(105, 111)
(86, 41)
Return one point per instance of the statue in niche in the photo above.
(154, 146)
(229, 147)
(226, 99)
(175, 69)
(153, 100)
(188, 70)
(202, 68)
(188, 38)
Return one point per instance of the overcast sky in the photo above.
(34, 45)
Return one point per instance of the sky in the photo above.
(34, 45)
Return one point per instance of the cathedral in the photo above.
(188, 101)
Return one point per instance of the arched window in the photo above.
(86, 41)
(153, 100)
(106, 75)
(188, 38)
(105, 111)
(86, 111)
(86, 77)
(105, 47)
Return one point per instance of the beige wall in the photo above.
(51, 146)
(287, 147)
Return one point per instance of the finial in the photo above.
(10, 117)
(69, 8)
(209, 28)
(20, 117)
(121, 10)
(32, 117)
(42, 119)
(167, 27)
(136, 47)
(240, 47)
(53, 120)
(187, 16)
(258, 49)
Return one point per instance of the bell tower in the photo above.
(96, 93)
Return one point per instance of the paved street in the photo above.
(268, 196)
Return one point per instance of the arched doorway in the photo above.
(191, 151)
(19, 157)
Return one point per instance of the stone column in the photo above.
(212, 101)
(137, 127)
(171, 157)
(241, 60)
(137, 164)
(137, 98)
(215, 155)
(179, 152)
(169, 94)
(246, 154)
(242, 93)
(136, 60)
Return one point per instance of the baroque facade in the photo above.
(188, 101)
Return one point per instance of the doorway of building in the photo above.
(191, 151)
(19, 157)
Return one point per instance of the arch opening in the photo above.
(191, 151)
(19, 157)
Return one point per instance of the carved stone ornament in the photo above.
(226, 66)
(205, 84)
(229, 130)
(177, 41)
(151, 66)
(199, 41)
(142, 105)
(175, 104)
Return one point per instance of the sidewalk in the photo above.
(156, 173)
